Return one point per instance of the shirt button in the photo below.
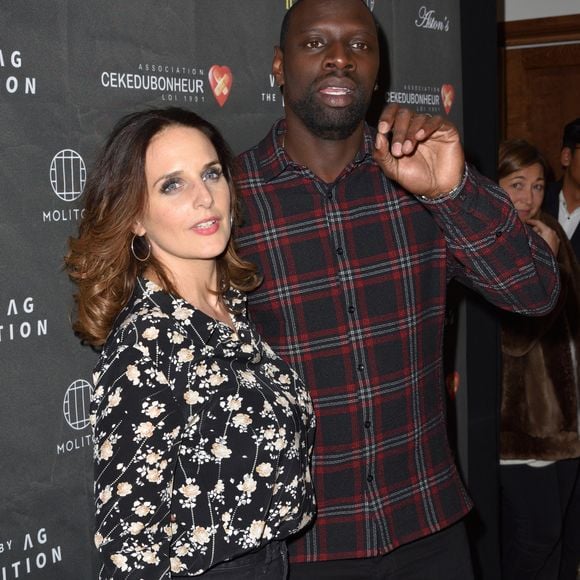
(361, 367)
(369, 478)
(329, 195)
(339, 251)
(367, 424)
(351, 309)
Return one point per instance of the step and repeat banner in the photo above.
(68, 70)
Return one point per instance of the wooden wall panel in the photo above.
(541, 81)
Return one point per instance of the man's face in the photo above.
(570, 159)
(329, 66)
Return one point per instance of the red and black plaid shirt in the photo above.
(355, 276)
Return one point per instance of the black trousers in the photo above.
(441, 556)
(534, 502)
(268, 563)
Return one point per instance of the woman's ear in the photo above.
(138, 229)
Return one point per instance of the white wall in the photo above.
(524, 9)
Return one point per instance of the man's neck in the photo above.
(326, 158)
(571, 194)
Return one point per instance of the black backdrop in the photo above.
(68, 70)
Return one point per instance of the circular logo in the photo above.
(76, 404)
(68, 174)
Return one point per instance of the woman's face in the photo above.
(187, 217)
(526, 190)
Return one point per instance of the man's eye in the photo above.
(360, 45)
(314, 44)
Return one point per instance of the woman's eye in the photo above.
(212, 174)
(170, 185)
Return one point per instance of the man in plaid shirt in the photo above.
(357, 238)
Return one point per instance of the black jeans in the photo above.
(533, 507)
(268, 563)
(441, 556)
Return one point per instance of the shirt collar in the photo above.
(273, 159)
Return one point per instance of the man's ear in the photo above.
(565, 156)
(278, 66)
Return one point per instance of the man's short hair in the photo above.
(571, 134)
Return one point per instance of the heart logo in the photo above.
(220, 80)
(447, 96)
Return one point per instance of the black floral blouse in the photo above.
(202, 441)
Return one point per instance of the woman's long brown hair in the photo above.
(99, 260)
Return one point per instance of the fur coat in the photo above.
(540, 366)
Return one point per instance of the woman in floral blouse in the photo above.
(202, 434)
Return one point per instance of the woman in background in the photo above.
(539, 408)
(202, 434)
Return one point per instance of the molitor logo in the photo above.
(429, 19)
(67, 175)
(220, 80)
(176, 83)
(12, 79)
(424, 98)
(75, 408)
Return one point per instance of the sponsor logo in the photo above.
(428, 18)
(220, 80)
(424, 98)
(68, 175)
(15, 328)
(39, 555)
(76, 411)
(12, 81)
(173, 83)
(447, 96)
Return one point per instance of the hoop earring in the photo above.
(133, 249)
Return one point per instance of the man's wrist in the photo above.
(448, 194)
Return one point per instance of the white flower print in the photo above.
(114, 398)
(190, 490)
(185, 355)
(106, 450)
(193, 397)
(264, 469)
(136, 528)
(124, 488)
(133, 374)
(182, 313)
(106, 494)
(120, 562)
(248, 485)
(145, 429)
(220, 450)
(176, 404)
(200, 535)
(153, 409)
(176, 338)
(257, 529)
(142, 509)
(151, 333)
(241, 420)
